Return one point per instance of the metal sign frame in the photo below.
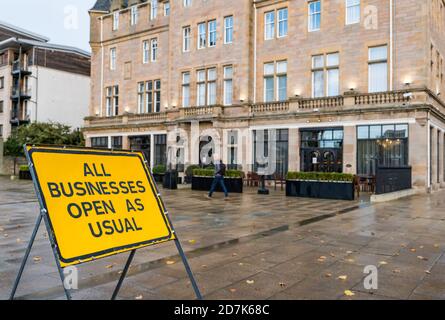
(43, 215)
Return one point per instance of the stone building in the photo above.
(340, 85)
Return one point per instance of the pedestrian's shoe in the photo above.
(226, 199)
(208, 197)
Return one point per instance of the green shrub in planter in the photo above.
(231, 174)
(320, 176)
(190, 169)
(24, 168)
(160, 169)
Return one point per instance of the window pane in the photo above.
(282, 88)
(282, 67)
(378, 53)
(269, 25)
(402, 131)
(363, 132)
(378, 77)
(211, 74)
(333, 82)
(317, 62)
(282, 22)
(375, 132)
(332, 60)
(212, 93)
(318, 84)
(352, 11)
(269, 89)
(269, 69)
(228, 92)
(201, 76)
(228, 72)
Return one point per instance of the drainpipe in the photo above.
(429, 153)
(391, 45)
(254, 52)
(101, 66)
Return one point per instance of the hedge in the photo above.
(320, 176)
(160, 169)
(211, 173)
(24, 168)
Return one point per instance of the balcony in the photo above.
(127, 119)
(202, 113)
(19, 68)
(18, 94)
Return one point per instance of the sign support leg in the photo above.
(188, 269)
(25, 258)
(123, 275)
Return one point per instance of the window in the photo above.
(282, 22)
(187, 3)
(134, 15)
(378, 69)
(153, 9)
(212, 33)
(154, 49)
(278, 156)
(206, 87)
(160, 156)
(282, 80)
(228, 85)
(115, 100)
(228, 29)
(186, 89)
(202, 35)
(333, 74)
(2, 82)
(149, 96)
(269, 87)
(145, 52)
(187, 38)
(314, 16)
(328, 70)
(211, 86)
(269, 30)
(2, 104)
(113, 59)
(116, 143)
(167, 9)
(232, 148)
(201, 88)
(352, 11)
(381, 145)
(112, 101)
(1, 130)
(115, 20)
(99, 142)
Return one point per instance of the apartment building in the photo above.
(41, 81)
(340, 85)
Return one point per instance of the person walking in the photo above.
(220, 172)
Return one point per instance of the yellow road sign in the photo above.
(99, 202)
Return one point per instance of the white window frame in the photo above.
(266, 24)
(350, 6)
(374, 62)
(167, 9)
(186, 39)
(212, 32)
(310, 14)
(154, 50)
(186, 86)
(228, 29)
(116, 20)
(153, 9)
(146, 51)
(279, 21)
(204, 34)
(187, 3)
(113, 58)
(228, 79)
(134, 15)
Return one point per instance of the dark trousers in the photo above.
(220, 180)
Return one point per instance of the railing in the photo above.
(319, 103)
(17, 66)
(156, 116)
(382, 98)
(198, 111)
(16, 92)
(281, 106)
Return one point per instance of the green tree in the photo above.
(42, 133)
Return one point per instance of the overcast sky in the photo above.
(63, 21)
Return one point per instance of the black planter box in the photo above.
(205, 183)
(25, 175)
(320, 190)
(171, 180)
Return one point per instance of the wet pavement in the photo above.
(251, 247)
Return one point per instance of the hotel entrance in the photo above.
(321, 150)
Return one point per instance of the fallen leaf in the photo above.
(350, 260)
(1, 229)
(413, 250)
(192, 241)
(349, 293)
(204, 266)
(332, 255)
(322, 259)
(396, 271)
(234, 254)
(110, 266)
(19, 240)
(328, 275)
(37, 259)
(170, 262)
(348, 252)
(233, 290)
(421, 247)
(250, 281)
(241, 264)
(427, 271)
(140, 297)
(422, 258)
(282, 285)
(6, 235)
(383, 263)
(436, 246)
(343, 278)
